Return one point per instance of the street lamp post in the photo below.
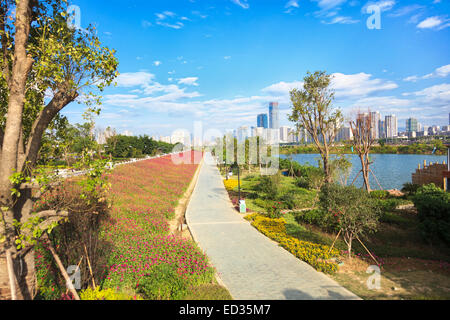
(239, 183)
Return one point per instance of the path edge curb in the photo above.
(192, 232)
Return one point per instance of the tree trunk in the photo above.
(24, 270)
(365, 171)
(326, 167)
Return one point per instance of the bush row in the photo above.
(316, 255)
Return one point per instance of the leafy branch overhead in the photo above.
(45, 65)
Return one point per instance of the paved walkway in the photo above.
(251, 266)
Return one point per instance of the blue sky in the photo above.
(221, 62)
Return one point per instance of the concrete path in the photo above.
(251, 266)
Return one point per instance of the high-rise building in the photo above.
(344, 134)
(243, 133)
(274, 119)
(391, 124)
(263, 121)
(375, 118)
(382, 129)
(284, 134)
(411, 125)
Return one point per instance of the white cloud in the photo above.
(292, 3)
(441, 72)
(341, 20)
(359, 85)
(242, 3)
(403, 11)
(438, 94)
(283, 88)
(411, 79)
(329, 4)
(191, 81)
(135, 79)
(157, 63)
(347, 86)
(435, 22)
(384, 5)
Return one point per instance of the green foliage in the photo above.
(433, 205)
(315, 217)
(379, 194)
(309, 177)
(410, 188)
(135, 147)
(288, 200)
(316, 255)
(349, 209)
(392, 218)
(303, 182)
(274, 210)
(105, 294)
(96, 185)
(270, 186)
(163, 283)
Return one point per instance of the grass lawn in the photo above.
(410, 268)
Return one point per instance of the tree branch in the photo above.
(59, 101)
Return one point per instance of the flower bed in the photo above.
(314, 254)
(230, 184)
(145, 195)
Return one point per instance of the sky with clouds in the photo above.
(221, 62)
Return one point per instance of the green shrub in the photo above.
(163, 283)
(314, 217)
(288, 201)
(251, 177)
(433, 205)
(270, 186)
(392, 218)
(379, 194)
(317, 255)
(303, 182)
(349, 209)
(261, 203)
(410, 188)
(274, 210)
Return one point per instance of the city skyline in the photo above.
(222, 63)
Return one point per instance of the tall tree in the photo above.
(363, 141)
(40, 56)
(312, 110)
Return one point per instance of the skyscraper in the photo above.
(274, 120)
(284, 134)
(262, 121)
(382, 129)
(411, 125)
(391, 125)
(375, 124)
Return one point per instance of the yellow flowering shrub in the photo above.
(230, 184)
(312, 253)
(106, 294)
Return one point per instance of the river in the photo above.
(392, 170)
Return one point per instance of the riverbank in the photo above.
(435, 148)
(392, 171)
(410, 267)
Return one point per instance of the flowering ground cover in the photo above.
(141, 257)
(144, 196)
